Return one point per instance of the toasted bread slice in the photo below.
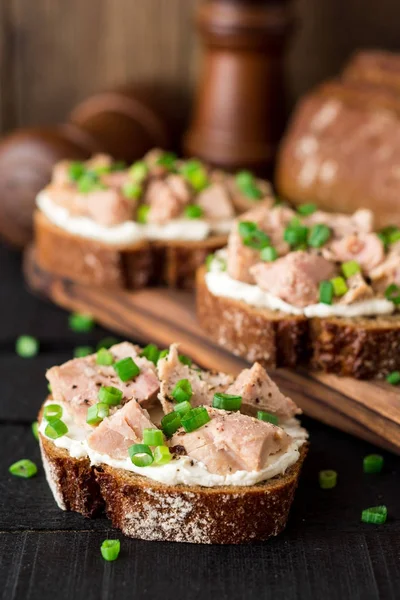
(148, 510)
(361, 347)
(170, 263)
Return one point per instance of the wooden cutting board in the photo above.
(369, 410)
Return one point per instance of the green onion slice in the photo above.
(269, 254)
(55, 429)
(373, 463)
(151, 352)
(107, 342)
(295, 234)
(350, 268)
(80, 322)
(52, 412)
(97, 413)
(110, 395)
(167, 160)
(182, 391)
(104, 357)
(196, 174)
(252, 236)
(227, 401)
(325, 292)
(183, 407)
(82, 351)
(110, 549)
(262, 415)
(126, 369)
(185, 360)
(140, 455)
(35, 430)
(143, 213)
(23, 468)
(75, 170)
(163, 353)
(153, 437)
(132, 190)
(318, 235)
(392, 293)
(375, 514)
(193, 211)
(247, 184)
(306, 209)
(327, 479)
(162, 455)
(195, 418)
(139, 171)
(170, 423)
(339, 286)
(393, 378)
(26, 346)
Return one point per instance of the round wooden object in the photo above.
(239, 108)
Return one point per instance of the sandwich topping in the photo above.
(308, 262)
(157, 198)
(171, 421)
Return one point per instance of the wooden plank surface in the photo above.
(369, 410)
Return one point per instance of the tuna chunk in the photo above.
(77, 381)
(233, 442)
(216, 202)
(362, 221)
(116, 433)
(366, 248)
(259, 392)
(358, 290)
(108, 207)
(116, 179)
(294, 278)
(60, 175)
(166, 198)
(388, 271)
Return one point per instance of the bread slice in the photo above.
(148, 510)
(358, 347)
(170, 263)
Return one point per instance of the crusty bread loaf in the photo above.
(171, 263)
(148, 510)
(362, 347)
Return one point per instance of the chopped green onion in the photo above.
(107, 342)
(140, 455)
(118, 165)
(392, 293)
(318, 235)
(162, 455)
(153, 437)
(195, 418)
(209, 260)
(49, 388)
(89, 182)
(185, 360)
(110, 395)
(262, 415)
(182, 391)
(126, 369)
(110, 549)
(376, 515)
(171, 423)
(269, 254)
(247, 228)
(193, 211)
(26, 346)
(252, 236)
(339, 286)
(295, 234)
(52, 412)
(142, 213)
(132, 190)
(394, 236)
(350, 268)
(35, 430)
(167, 160)
(97, 413)
(196, 174)
(227, 401)
(56, 429)
(75, 170)
(325, 292)
(327, 479)
(139, 171)
(81, 323)
(163, 353)
(183, 407)
(306, 209)
(23, 468)
(82, 351)
(104, 357)
(393, 378)
(151, 352)
(247, 184)
(373, 463)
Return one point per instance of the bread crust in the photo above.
(148, 510)
(362, 347)
(133, 266)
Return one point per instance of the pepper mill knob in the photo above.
(239, 108)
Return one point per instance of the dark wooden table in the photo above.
(325, 552)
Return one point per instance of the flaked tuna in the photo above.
(232, 442)
(166, 198)
(116, 433)
(216, 202)
(388, 271)
(77, 382)
(294, 278)
(365, 248)
(362, 221)
(259, 392)
(108, 207)
(359, 290)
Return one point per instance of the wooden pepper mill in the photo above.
(125, 123)
(239, 108)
